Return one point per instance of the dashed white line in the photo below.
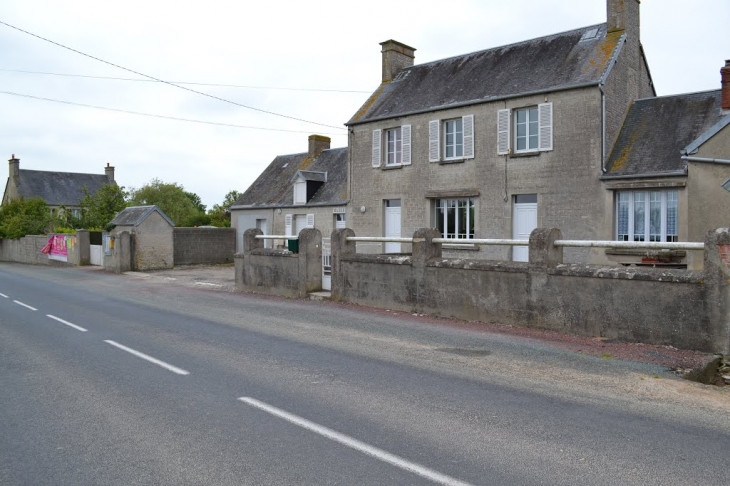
(4, 296)
(25, 305)
(156, 361)
(356, 444)
(69, 324)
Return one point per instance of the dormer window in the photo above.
(300, 192)
(306, 184)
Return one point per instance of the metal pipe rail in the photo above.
(379, 239)
(277, 237)
(640, 245)
(452, 241)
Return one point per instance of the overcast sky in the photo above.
(323, 56)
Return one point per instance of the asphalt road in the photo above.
(109, 379)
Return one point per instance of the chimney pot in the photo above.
(396, 57)
(317, 144)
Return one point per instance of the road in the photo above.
(108, 379)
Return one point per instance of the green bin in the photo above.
(293, 246)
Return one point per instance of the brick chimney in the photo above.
(623, 15)
(396, 57)
(318, 143)
(725, 73)
(109, 172)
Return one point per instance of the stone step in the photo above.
(321, 295)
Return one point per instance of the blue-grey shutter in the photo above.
(545, 126)
(468, 125)
(406, 141)
(434, 146)
(376, 148)
(503, 117)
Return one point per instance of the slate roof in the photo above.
(134, 215)
(273, 188)
(58, 188)
(657, 130)
(555, 62)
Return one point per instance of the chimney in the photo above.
(318, 143)
(623, 15)
(725, 73)
(109, 172)
(13, 179)
(396, 57)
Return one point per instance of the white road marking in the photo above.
(356, 444)
(156, 361)
(78, 328)
(25, 305)
(3, 296)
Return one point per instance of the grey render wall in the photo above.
(569, 193)
(674, 307)
(204, 245)
(24, 250)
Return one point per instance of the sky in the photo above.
(313, 62)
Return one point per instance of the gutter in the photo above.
(692, 158)
(671, 173)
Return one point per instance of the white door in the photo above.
(95, 255)
(326, 264)
(523, 222)
(392, 224)
(261, 224)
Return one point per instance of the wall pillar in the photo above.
(543, 253)
(341, 248)
(83, 240)
(250, 242)
(310, 261)
(424, 249)
(717, 282)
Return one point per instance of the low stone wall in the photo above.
(280, 272)
(673, 307)
(204, 245)
(24, 250)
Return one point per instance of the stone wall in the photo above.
(204, 245)
(28, 250)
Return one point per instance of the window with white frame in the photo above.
(454, 218)
(300, 192)
(451, 139)
(647, 215)
(394, 147)
(397, 150)
(523, 130)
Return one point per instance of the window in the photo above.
(647, 216)
(397, 146)
(454, 218)
(300, 192)
(340, 221)
(457, 141)
(394, 146)
(526, 129)
(532, 127)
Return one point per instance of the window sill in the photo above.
(452, 161)
(517, 155)
(392, 167)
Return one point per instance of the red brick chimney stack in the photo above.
(725, 73)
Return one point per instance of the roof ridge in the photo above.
(677, 95)
(61, 172)
(557, 34)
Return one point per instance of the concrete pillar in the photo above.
(543, 253)
(310, 261)
(423, 247)
(250, 242)
(717, 283)
(83, 240)
(341, 248)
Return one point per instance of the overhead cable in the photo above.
(167, 82)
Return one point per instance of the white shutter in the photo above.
(434, 146)
(468, 125)
(287, 224)
(503, 132)
(406, 135)
(310, 221)
(545, 123)
(376, 148)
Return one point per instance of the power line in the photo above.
(167, 82)
(191, 120)
(220, 85)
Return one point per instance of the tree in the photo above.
(22, 217)
(98, 209)
(220, 215)
(172, 199)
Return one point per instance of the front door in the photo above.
(523, 222)
(392, 224)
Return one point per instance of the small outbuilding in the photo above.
(150, 237)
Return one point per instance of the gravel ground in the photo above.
(220, 278)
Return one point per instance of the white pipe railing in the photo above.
(453, 241)
(277, 237)
(380, 239)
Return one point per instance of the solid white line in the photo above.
(25, 305)
(3, 296)
(156, 361)
(78, 328)
(356, 444)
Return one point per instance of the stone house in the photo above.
(57, 189)
(150, 239)
(297, 191)
(495, 143)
